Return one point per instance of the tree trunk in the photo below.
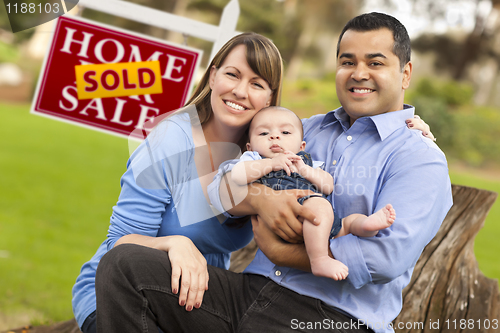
(303, 43)
(446, 285)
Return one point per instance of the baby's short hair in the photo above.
(281, 108)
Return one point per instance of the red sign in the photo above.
(81, 42)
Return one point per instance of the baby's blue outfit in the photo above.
(279, 180)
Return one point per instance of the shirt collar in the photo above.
(337, 115)
(386, 123)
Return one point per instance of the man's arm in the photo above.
(420, 191)
(278, 251)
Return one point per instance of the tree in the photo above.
(456, 55)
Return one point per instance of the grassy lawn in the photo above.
(486, 245)
(59, 183)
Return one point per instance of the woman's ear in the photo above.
(269, 99)
(211, 80)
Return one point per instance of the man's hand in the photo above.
(278, 251)
(281, 212)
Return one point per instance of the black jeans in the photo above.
(134, 295)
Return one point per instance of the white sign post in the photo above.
(216, 34)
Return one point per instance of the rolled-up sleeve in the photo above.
(213, 188)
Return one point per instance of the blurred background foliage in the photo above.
(456, 85)
(56, 209)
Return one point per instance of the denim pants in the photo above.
(134, 295)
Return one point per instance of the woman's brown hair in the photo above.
(264, 59)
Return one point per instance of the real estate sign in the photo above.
(112, 80)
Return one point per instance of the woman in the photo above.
(172, 213)
(163, 203)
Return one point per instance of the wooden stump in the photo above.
(241, 258)
(447, 291)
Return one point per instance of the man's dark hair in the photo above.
(375, 21)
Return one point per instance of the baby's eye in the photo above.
(264, 133)
(286, 132)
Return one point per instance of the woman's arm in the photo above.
(419, 124)
(249, 171)
(144, 198)
(186, 260)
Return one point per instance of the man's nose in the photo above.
(360, 73)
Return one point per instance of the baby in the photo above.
(276, 158)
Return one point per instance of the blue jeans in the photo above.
(134, 295)
(279, 180)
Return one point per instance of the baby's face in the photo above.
(274, 131)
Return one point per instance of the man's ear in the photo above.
(211, 79)
(303, 145)
(407, 70)
(249, 147)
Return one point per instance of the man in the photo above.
(375, 160)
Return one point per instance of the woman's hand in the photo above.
(189, 271)
(419, 124)
(189, 266)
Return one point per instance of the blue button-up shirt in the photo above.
(374, 162)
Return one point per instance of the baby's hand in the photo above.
(299, 165)
(284, 161)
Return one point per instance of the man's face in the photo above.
(369, 78)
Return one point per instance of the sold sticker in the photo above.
(118, 79)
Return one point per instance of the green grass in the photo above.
(486, 244)
(8, 53)
(59, 183)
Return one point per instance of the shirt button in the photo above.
(349, 138)
(277, 273)
(334, 162)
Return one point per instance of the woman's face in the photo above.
(237, 92)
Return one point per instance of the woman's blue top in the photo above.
(161, 195)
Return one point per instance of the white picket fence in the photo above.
(217, 34)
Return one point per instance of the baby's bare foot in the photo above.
(329, 267)
(381, 219)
